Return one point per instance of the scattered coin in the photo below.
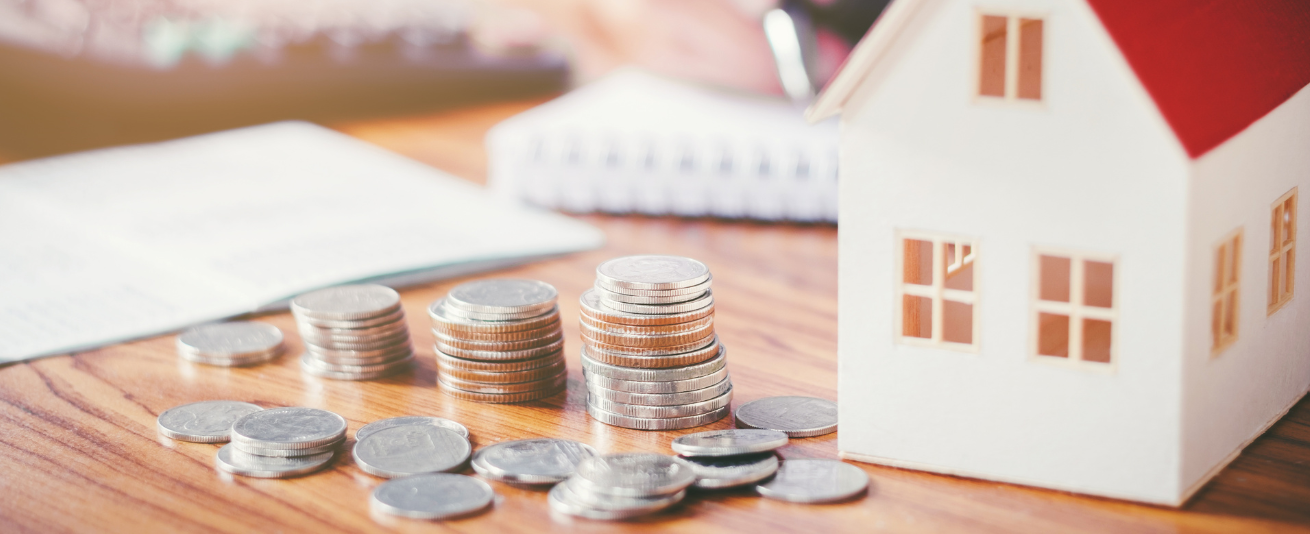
(718, 472)
(380, 424)
(431, 496)
(815, 481)
(729, 442)
(410, 450)
(564, 500)
(353, 332)
(232, 460)
(288, 428)
(231, 344)
(204, 421)
(636, 474)
(798, 417)
(531, 461)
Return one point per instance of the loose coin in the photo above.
(232, 460)
(717, 472)
(381, 424)
(502, 295)
(563, 500)
(729, 442)
(431, 496)
(410, 450)
(204, 421)
(230, 362)
(346, 303)
(640, 423)
(799, 417)
(230, 340)
(288, 428)
(288, 453)
(815, 481)
(636, 374)
(651, 272)
(634, 474)
(531, 461)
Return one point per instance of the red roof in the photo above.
(1213, 67)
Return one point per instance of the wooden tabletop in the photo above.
(79, 452)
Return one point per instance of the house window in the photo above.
(1074, 308)
(1224, 298)
(1282, 251)
(1010, 57)
(937, 299)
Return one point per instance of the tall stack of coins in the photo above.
(282, 442)
(355, 332)
(650, 356)
(499, 341)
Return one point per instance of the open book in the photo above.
(121, 243)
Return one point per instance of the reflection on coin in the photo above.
(431, 496)
(232, 460)
(204, 421)
(716, 472)
(230, 340)
(815, 481)
(344, 303)
(799, 417)
(531, 461)
(565, 500)
(410, 450)
(502, 295)
(289, 428)
(729, 442)
(651, 272)
(636, 474)
(380, 424)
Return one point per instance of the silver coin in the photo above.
(729, 442)
(431, 496)
(606, 294)
(799, 417)
(651, 272)
(346, 303)
(592, 307)
(389, 318)
(718, 472)
(410, 450)
(288, 453)
(372, 330)
(381, 424)
(444, 321)
(289, 428)
(231, 362)
(671, 386)
(698, 288)
(451, 311)
(642, 423)
(502, 295)
(308, 361)
(634, 474)
(335, 375)
(230, 340)
(342, 335)
(232, 460)
(564, 500)
(531, 461)
(699, 303)
(661, 412)
(204, 421)
(815, 481)
(601, 501)
(662, 399)
(380, 344)
(639, 374)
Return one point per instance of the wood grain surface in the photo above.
(79, 451)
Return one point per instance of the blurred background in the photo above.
(81, 74)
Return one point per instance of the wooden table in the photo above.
(79, 452)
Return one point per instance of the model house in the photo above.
(1069, 238)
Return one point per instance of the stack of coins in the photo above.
(730, 458)
(651, 359)
(622, 486)
(499, 341)
(354, 332)
(234, 344)
(282, 442)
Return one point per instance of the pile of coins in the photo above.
(531, 461)
(730, 458)
(499, 341)
(234, 344)
(355, 332)
(622, 486)
(651, 358)
(282, 442)
(413, 445)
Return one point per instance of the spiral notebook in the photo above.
(638, 143)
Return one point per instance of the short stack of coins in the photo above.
(354, 332)
(231, 344)
(651, 358)
(282, 442)
(499, 341)
(622, 486)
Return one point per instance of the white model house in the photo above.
(1069, 238)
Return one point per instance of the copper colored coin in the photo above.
(510, 377)
(591, 306)
(446, 361)
(655, 342)
(499, 336)
(501, 389)
(494, 398)
(653, 362)
(500, 346)
(646, 330)
(489, 355)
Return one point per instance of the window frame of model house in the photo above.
(1015, 81)
(1281, 285)
(937, 291)
(1226, 292)
(1075, 309)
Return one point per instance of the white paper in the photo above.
(122, 243)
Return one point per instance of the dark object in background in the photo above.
(140, 90)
